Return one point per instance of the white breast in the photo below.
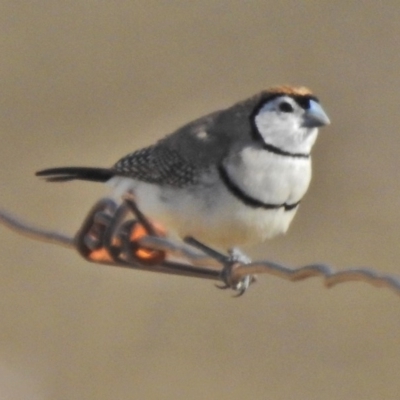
(269, 177)
(213, 215)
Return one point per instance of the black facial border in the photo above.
(302, 100)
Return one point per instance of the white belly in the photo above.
(212, 216)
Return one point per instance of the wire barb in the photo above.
(105, 226)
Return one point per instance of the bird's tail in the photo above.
(64, 174)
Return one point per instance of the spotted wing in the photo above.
(157, 164)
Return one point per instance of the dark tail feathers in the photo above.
(65, 174)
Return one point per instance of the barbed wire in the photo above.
(331, 276)
(234, 270)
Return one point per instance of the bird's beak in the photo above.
(315, 116)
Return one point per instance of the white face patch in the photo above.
(280, 123)
(277, 114)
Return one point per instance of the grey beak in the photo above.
(315, 116)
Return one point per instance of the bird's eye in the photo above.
(285, 107)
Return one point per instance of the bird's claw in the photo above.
(222, 287)
(238, 285)
(235, 259)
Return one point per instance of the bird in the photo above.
(233, 177)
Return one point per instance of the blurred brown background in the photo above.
(85, 82)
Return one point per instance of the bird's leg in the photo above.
(235, 259)
(206, 249)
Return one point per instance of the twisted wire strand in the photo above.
(331, 276)
(34, 232)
